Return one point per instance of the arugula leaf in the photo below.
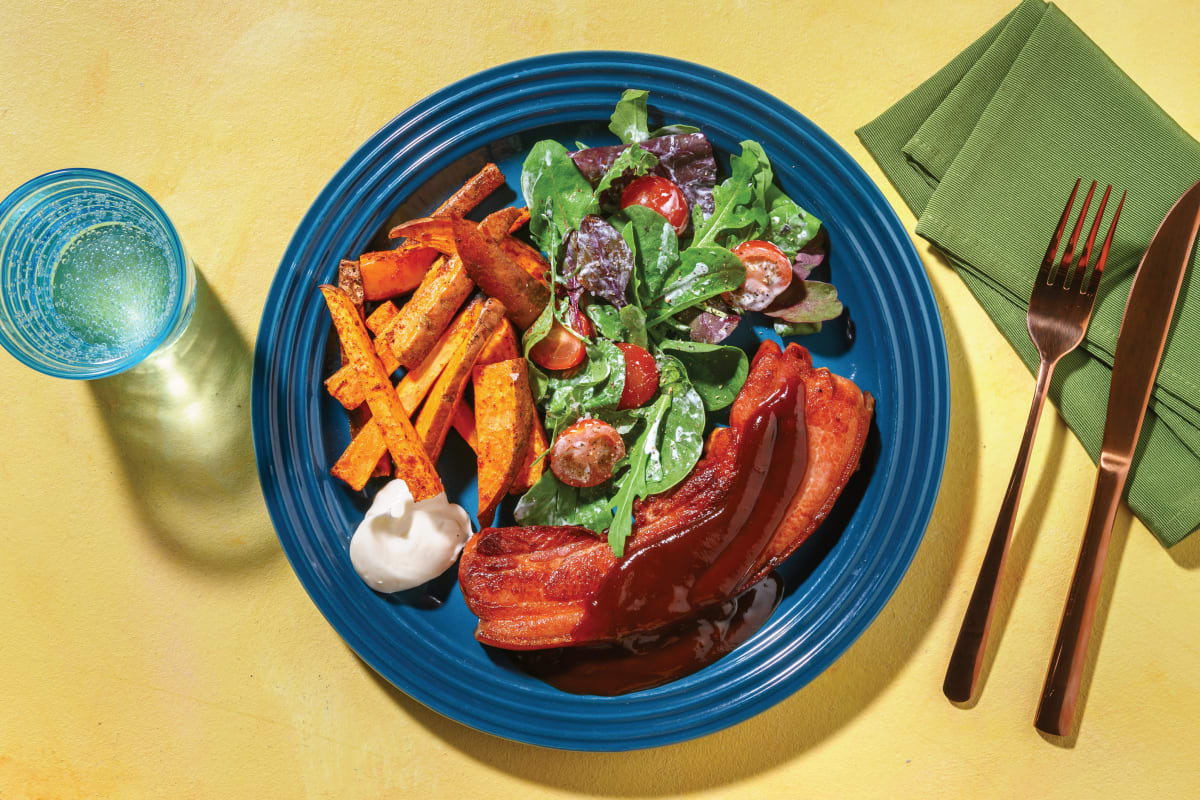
(703, 272)
(716, 371)
(739, 202)
(681, 435)
(628, 121)
(655, 248)
(634, 320)
(788, 225)
(633, 484)
(632, 161)
(557, 193)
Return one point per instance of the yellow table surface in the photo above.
(154, 641)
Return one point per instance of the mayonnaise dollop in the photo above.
(402, 543)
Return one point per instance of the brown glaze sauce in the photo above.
(708, 556)
(652, 658)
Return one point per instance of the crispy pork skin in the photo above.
(764, 485)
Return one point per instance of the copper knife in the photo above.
(1143, 335)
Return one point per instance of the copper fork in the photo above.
(1059, 310)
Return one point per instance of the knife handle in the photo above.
(1056, 711)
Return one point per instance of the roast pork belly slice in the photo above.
(537, 586)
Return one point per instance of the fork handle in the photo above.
(1056, 711)
(962, 674)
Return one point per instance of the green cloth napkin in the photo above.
(985, 153)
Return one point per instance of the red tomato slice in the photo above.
(768, 273)
(641, 376)
(661, 195)
(586, 453)
(561, 349)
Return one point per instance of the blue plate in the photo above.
(837, 582)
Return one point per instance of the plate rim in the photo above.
(518, 72)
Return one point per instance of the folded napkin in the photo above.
(985, 153)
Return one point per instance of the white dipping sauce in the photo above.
(402, 543)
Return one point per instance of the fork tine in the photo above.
(1048, 261)
(1104, 249)
(1086, 256)
(1065, 271)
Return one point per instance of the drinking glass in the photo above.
(93, 276)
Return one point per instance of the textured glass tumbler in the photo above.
(93, 277)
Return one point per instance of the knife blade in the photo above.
(1140, 344)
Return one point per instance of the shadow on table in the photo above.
(180, 425)
(835, 698)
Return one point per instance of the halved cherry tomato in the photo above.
(768, 273)
(585, 453)
(560, 349)
(641, 376)
(661, 195)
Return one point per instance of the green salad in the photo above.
(653, 264)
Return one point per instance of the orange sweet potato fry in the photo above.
(503, 415)
(416, 329)
(496, 224)
(464, 422)
(381, 316)
(344, 384)
(534, 466)
(434, 232)
(412, 390)
(359, 462)
(393, 272)
(498, 275)
(520, 222)
(411, 461)
(417, 382)
(502, 346)
(438, 232)
(433, 422)
(473, 192)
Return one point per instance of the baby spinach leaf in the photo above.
(557, 193)
(552, 502)
(538, 330)
(703, 272)
(597, 386)
(656, 250)
(681, 433)
(716, 371)
(608, 321)
(628, 121)
(634, 320)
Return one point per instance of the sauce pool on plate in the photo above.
(645, 660)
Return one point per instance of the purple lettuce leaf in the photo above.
(686, 159)
(711, 327)
(599, 260)
(817, 302)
